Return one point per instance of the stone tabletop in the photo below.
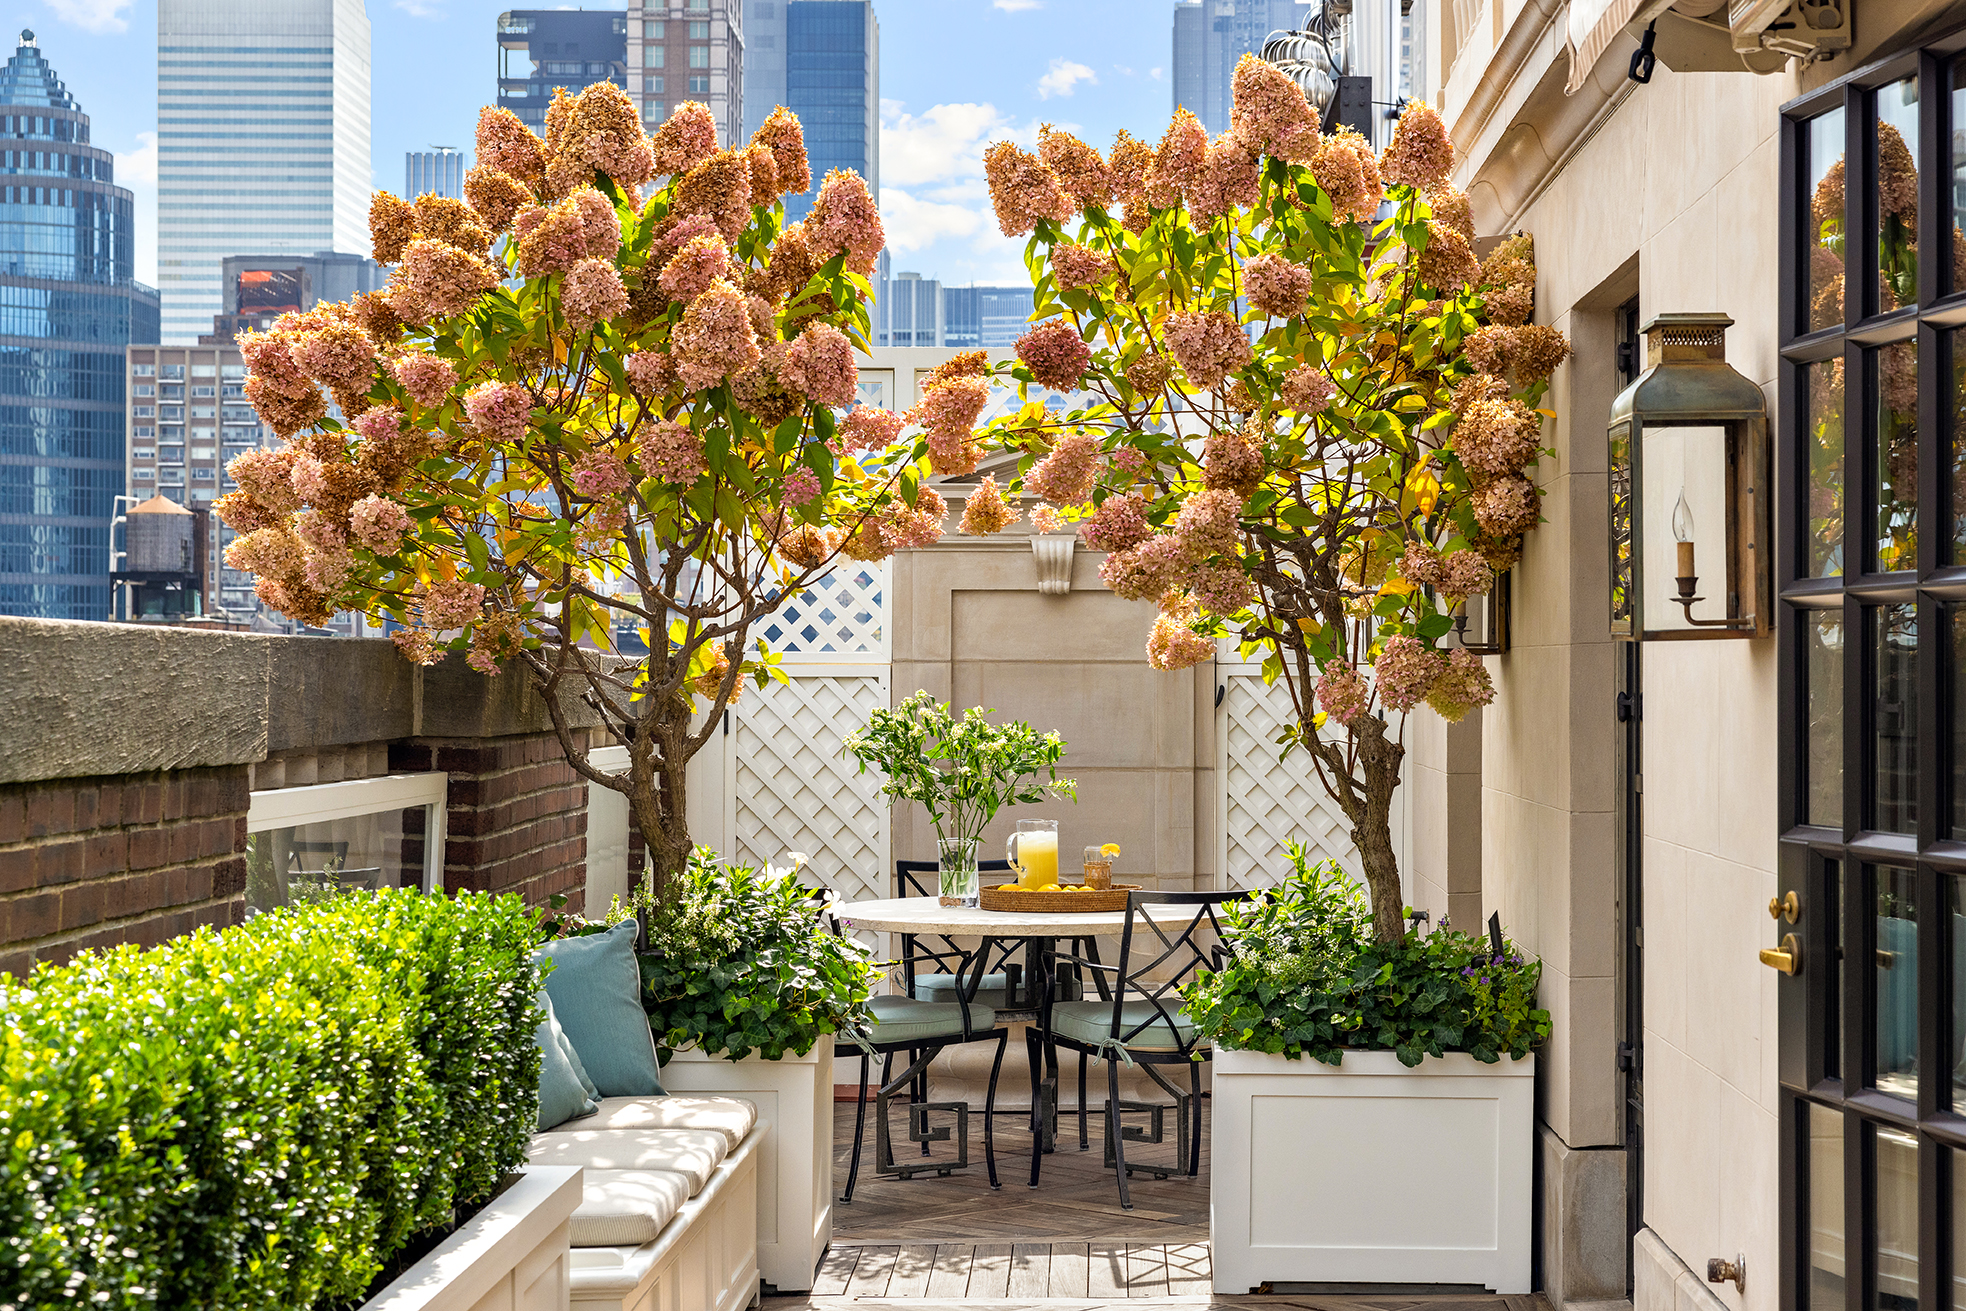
(928, 915)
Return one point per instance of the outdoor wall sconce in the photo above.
(1481, 623)
(1692, 434)
(1054, 553)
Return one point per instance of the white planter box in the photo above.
(511, 1256)
(1368, 1172)
(794, 1097)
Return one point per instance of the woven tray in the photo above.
(1008, 896)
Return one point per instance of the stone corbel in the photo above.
(1054, 554)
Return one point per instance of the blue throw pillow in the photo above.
(597, 997)
(561, 1094)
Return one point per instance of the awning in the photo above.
(1593, 26)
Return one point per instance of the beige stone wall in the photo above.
(970, 626)
(1673, 198)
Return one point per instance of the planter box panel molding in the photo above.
(511, 1256)
(1317, 1171)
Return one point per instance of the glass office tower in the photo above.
(833, 83)
(69, 305)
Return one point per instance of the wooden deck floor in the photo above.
(1076, 1200)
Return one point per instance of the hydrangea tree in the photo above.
(1313, 422)
(608, 392)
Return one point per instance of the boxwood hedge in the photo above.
(265, 1116)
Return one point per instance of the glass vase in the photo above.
(955, 871)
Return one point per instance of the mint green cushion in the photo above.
(1092, 1022)
(992, 991)
(904, 1019)
(597, 997)
(573, 1059)
(561, 1095)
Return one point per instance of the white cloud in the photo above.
(1154, 73)
(420, 8)
(137, 170)
(1122, 70)
(92, 15)
(941, 144)
(1017, 6)
(934, 202)
(1064, 76)
(915, 224)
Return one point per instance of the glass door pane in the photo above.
(1826, 468)
(1895, 980)
(1894, 719)
(1897, 195)
(1894, 478)
(1895, 1161)
(1822, 638)
(1826, 1249)
(1824, 243)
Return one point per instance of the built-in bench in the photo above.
(668, 1219)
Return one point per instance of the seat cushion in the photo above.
(942, 988)
(730, 1116)
(1092, 1021)
(596, 987)
(562, 1096)
(906, 1019)
(695, 1153)
(626, 1208)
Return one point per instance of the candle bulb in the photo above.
(1686, 560)
(1682, 531)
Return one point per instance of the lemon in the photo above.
(1110, 849)
(1050, 887)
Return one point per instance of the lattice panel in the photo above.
(1267, 800)
(844, 616)
(792, 790)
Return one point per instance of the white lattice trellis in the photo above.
(790, 789)
(1266, 799)
(843, 617)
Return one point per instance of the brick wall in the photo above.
(517, 818)
(96, 862)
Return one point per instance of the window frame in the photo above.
(320, 803)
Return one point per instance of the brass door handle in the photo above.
(1787, 958)
(1788, 906)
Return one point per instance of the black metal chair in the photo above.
(995, 987)
(1141, 1024)
(921, 1029)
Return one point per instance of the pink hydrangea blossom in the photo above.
(591, 294)
(671, 452)
(379, 523)
(953, 452)
(1271, 111)
(1178, 159)
(600, 474)
(269, 551)
(1055, 353)
(821, 365)
(921, 526)
(1421, 154)
(1173, 644)
(1221, 589)
(1209, 522)
(600, 225)
(1146, 572)
(1128, 461)
(691, 270)
(715, 338)
(417, 645)
(337, 354)
(1462, 686)
(1023, 189)
(985, 511)
(435, 278)
(267, 477)
(381, 424)
(499, 410)
(1276, 285)
(951, 405)
(866, 428)
(801, 486)
(449, 604)
(1209, 344)
(1308, 390)
(1342, 692)
(427, 379)
(1228, 180)
(686, 138)
(1066, 475)
(1073, 265)
(1118, 523)
(844, 220)
(1046, 519)
(319, 531)
(310, 479)
(650, 372)
(328, 568)
(1406, 671)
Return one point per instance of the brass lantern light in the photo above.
(1691, 491)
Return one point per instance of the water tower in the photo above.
(164, 559)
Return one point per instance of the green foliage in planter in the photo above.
(737, 961)
(1303, 975)
(265, 1116)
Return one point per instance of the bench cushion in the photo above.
(695, 1153)
(730, 1116)
(626, 1208)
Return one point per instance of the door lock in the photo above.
(1787, 958)
(1788, 907)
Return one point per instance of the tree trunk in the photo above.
(1379, 757)
(659, 773)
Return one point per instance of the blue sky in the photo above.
(955, 75)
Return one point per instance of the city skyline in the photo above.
(1025, 62)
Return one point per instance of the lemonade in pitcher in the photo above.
(1033, 852)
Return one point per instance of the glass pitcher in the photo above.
(1033, 852)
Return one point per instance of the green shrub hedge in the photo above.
(262, 1117)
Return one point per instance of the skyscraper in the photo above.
(764, 60)
(68, 307)
(438, 171)
(908, 311)
(1209, 37)
(540, 49)
(688, 50)
(263, 129)
(833, 83)
(985, 317)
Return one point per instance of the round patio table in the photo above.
(918, 916)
